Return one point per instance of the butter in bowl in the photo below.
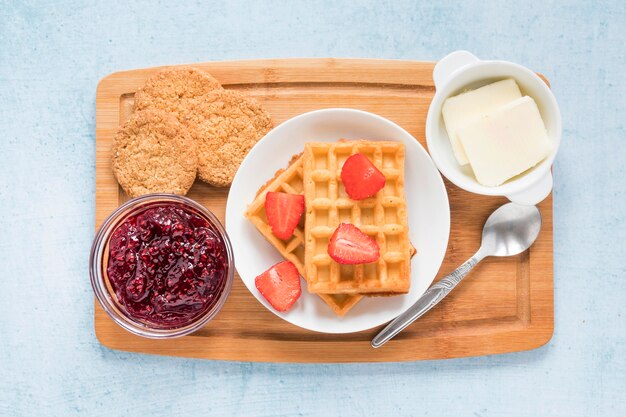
(493, 128)
(496, 130)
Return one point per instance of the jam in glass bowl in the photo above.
(161, 265)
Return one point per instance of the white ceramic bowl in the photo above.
(461, 71)
(427, 204)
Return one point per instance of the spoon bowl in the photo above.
(510, 230)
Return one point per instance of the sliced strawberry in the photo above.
(283, 213)
(280, 285)
(349, 245)
(360, 177)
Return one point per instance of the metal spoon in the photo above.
(510, 230)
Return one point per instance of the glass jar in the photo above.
(155, 292)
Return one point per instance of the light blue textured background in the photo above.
(52, 54)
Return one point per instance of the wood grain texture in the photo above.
(505, 305)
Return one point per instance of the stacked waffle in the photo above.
(317, 175)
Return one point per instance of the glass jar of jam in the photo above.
(161, 265)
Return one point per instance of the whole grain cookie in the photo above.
(153, 152)
(170, 88)
(225, 125)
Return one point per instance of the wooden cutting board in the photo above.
(505, 305)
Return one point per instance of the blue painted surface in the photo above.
(52, 55)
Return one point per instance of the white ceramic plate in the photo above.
(427, 201)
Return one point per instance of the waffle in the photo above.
(290, 181)
(383, 217)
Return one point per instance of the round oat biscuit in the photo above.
(225, 125)
(170, 88)
(154, 153)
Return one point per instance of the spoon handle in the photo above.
(431, 298)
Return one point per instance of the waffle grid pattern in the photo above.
(290, 181)
(383, 217)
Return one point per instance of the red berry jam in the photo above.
(167, 265)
